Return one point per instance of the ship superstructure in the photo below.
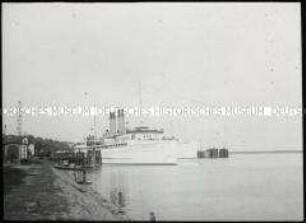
(140, 145)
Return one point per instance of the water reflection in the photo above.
(114, 186)
(128, 189)
(117, 198)
(207, 189)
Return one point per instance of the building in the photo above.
(16, 153)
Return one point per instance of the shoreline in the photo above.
(41, 192)
(267, 152)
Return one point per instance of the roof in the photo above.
(144, 129)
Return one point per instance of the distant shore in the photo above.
(41, 192)
(268, 151)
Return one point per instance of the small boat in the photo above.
(72, 167)
(84, 182)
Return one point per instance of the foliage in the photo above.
(42, 145)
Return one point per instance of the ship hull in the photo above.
(187, 150)
(141, 153)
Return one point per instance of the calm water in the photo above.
(243, 187)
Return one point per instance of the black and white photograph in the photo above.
(152, 111)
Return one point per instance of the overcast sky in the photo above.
(182, 53)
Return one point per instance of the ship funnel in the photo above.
(121, 129)
(112, 123)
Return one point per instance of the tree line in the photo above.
(45, 146)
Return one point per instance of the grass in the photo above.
(32, 188)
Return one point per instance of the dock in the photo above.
(213, 153)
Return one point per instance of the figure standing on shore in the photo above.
(120, 199)
(84, 175)
(152, 216)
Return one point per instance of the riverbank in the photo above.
(40, 192)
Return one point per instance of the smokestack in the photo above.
(121, 122)
(112, 123)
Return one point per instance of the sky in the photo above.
(181, 54)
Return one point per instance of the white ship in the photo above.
(188, 150)
(138, 146)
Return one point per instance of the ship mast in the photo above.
(94, 116)
(140, 104)
(95, 124)
(4, 135)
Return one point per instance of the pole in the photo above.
(140, 104)
(4, 135)
(19, 119)
(95, 124)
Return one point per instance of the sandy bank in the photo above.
(40, 192)
(88, 205)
